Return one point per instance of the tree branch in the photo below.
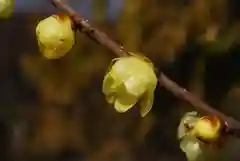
(232, 125)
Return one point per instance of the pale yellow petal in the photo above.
(192, 148)
(107, 86)
(135, 86)
(188, 120)
(147, 102)
(121, 107)
(142, 57)
(124, 101)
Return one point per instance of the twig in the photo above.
(232, 125)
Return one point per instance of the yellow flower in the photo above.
(55, 36)
(6, 8)
(207, 128)
(129, 80)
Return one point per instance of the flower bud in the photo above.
(55, 36)
(207, 128)
(129, 80)
(6, 8)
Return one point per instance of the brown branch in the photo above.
(233, 126)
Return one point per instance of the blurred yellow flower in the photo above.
(129, 80)
(55, 36)
(6, 8)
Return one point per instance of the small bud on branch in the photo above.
(207, 128)
(55, 36)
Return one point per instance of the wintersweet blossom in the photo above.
(55, 36)
(207, 128)
(196, 135)
(130, 80)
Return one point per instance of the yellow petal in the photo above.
(124, 101)
(121, 107)
(192, 148)
(135, 86)
(51, 53)
(107, 86)
(147, 102)
(109, 83)
(188, 119)
(142, 57)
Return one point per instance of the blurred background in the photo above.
(54, 110)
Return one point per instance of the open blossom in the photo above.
(55, 36)
(130, 80)
(6, 8)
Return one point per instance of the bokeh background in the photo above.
(53, 110)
